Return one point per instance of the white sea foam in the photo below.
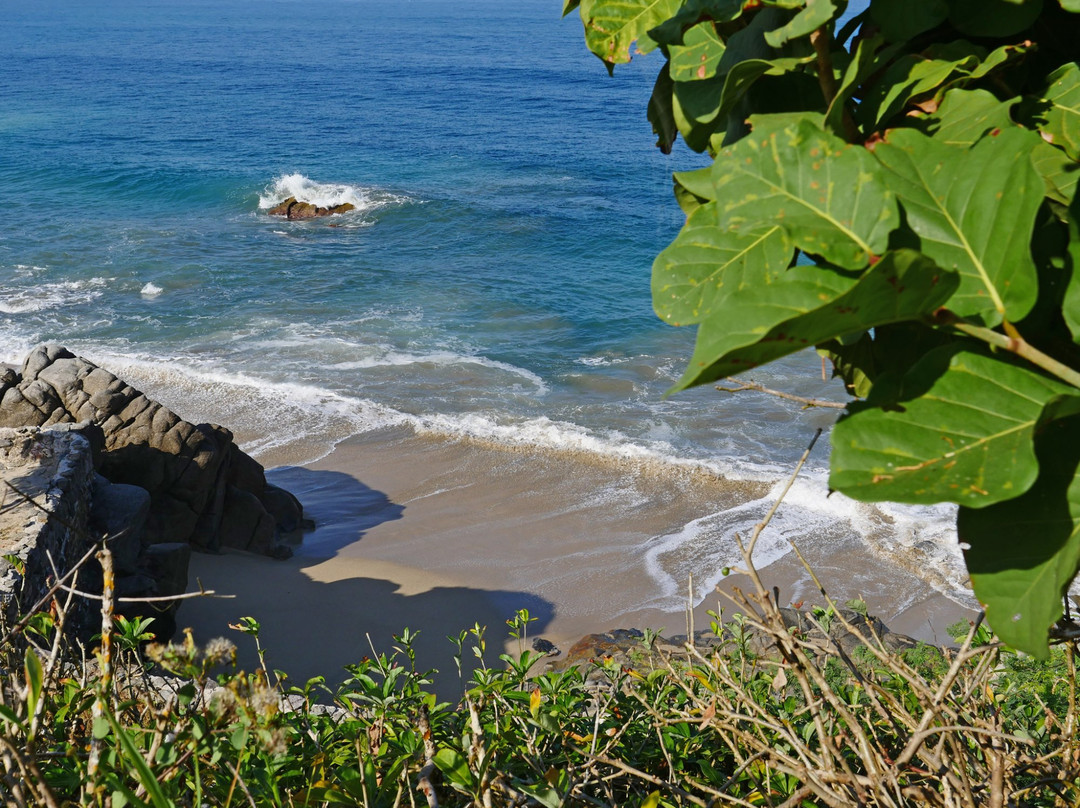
(391, 358)
(50, 295)
(327, 195)
(151, 290)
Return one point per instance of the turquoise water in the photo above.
(493, 281)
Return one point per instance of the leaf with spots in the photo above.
(973, 210)
(827, 194)
(957, 427)
(1022, 581)
(699, 55)
(807, 305)
(964, 116)
(613, 27)
(706, 264)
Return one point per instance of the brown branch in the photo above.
(424, 779)
(760, 388)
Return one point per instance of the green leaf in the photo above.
(1058, 170)
(35, 681)
(706, 264)
(901, 20)
(1020, 580)
(1071, 5)
(542, 793)
(660, 113)
(135, 759)
(974, 210)
(455, 768)
(869, 58)
(959, 429)
(1071, 304)
(702, 108)
(1063, 118)
(612, 27)
(651, 801)
(808, 305)
(993, 18)
(693, 188)
(815, 14)
(915, 75)
(827, 194)
(964, 116)
(671, 31)
(569, 5)
(700, 54)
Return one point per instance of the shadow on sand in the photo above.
(319, 608)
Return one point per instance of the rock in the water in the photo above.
(197, 478)
(292, 208)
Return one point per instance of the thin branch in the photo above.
(202, 593)
(808, 402)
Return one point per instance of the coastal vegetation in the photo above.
(897, 189)
(764, 715)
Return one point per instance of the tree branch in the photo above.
(807, 402)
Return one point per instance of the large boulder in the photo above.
(291, 208)
(197, 478)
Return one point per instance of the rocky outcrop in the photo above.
(293, 209)
(202, 489)
(46, 479)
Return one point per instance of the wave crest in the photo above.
(326, 194)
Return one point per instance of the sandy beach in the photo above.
(440, 535)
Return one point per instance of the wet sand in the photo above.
(441, 535)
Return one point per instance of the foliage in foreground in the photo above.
(801, 724)
(899, 191)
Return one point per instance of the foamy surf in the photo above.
(44, 296)
(326, 194)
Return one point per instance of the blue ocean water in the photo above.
(493, 281)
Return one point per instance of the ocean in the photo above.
(490, 288)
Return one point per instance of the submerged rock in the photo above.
(291, 208)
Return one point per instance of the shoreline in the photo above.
(438, 536)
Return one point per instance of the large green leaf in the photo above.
(958, 429)
(807, 305)
(699, 55)
(964, 116)
(706, 264)
(1063, 118)
(974, 210)
(827, 194)
(1024, 552)
(993, 18)
(815, 14)
(612, 27)
(900, 20)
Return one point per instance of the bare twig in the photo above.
(760, 388)
(424, 780)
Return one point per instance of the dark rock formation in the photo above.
(203, 490)
(292, 209)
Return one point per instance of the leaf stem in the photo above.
(1014, 344)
